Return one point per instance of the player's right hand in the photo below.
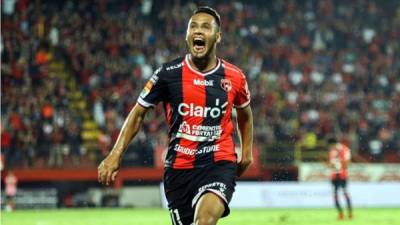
(108, 169)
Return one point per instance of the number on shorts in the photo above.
(176, 219)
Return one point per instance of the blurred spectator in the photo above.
(5, 143)
(104, 141)
(74, 142)
(8, 6)
(57, 149)
(10, 181)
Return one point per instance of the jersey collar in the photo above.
(198, 72)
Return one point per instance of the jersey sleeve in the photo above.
(153, 91)
(242, 98)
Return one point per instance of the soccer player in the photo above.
(339, 159)
(11, 182)
(198, 92)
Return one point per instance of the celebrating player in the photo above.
(199, 92)
(339, 159)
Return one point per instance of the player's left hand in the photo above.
(108, 169)
(243, 165)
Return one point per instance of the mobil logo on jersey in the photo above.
(185, 109)
(207, 83)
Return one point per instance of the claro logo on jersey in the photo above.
(185, 109)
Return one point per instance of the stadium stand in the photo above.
(71, 71)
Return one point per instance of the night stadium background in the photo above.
(72, 70)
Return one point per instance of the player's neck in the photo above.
(203, 64)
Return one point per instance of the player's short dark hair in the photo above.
(332, 140)
(209, 11)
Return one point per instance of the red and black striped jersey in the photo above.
(339, 154)
(198, 109)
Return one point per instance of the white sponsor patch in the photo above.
(219, 185)
(208, 149)
(199, 133)
(184, 150)
(191, 151)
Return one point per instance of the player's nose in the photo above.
(197, 31)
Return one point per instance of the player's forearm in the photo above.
(245, 125)
(129, 130)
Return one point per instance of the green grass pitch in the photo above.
(161, 217)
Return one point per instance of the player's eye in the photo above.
(206, 26)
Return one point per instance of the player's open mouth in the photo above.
(199, 44)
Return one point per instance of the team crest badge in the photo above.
(226, 85)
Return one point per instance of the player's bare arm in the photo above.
(330, 164)
(346, 163)
(245, 125)
(108, 168)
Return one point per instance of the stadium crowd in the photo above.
(315, 68)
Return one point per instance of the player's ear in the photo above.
(187, 31)
(219, 37)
